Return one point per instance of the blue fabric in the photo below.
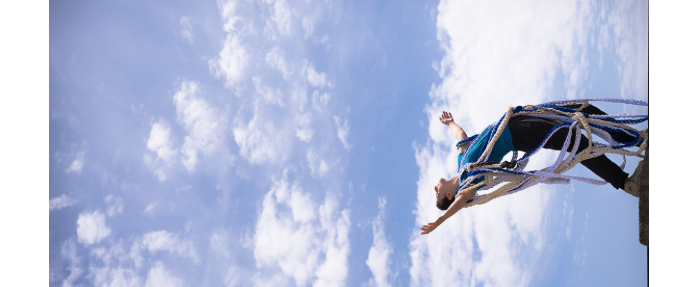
(503, 146)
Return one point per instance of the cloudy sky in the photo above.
(295, 143)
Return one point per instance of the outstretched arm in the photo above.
(455, 207)
(447, 119)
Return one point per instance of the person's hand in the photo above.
(446, 118)
(426, 229)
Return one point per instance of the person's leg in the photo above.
(528, 132)
(593, 110)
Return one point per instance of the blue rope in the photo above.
(565, 122)
(466, 140)
(568, 110)
(616, 129)
(563, 109)
(608, 100)
(625, 122)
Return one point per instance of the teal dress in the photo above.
(503, 146)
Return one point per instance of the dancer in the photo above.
(526, 133)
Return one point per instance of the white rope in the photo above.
(554, 173)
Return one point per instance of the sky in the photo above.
(296, 143)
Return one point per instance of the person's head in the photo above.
(445, 190)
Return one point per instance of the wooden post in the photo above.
(645, 200)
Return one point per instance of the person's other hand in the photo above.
(427, 228)
(446, 118)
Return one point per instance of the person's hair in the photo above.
(445, 203)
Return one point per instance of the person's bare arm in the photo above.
(447, 119)
(455, 207)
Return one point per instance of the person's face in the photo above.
(442, 190)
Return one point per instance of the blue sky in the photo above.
(258, 143)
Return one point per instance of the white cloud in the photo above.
(234, 277)
(202, 122)
(150, 207)
(110, 253)
(228, 9)
(92, 227)
(271, 281)
(155, 165)
(114, 268)
(317, 165)
(510, 59)
(568, 213)
(299, 97)
(261, 126)
(276, 60)
(219, 243)
(334, 270)
(60, 202)
(115, 205)
(241, 276)
(234, 23)
(281, 15)
(112, 264)
(165, 241)
(316, 79)
(379, 255)
(300, 254)
(270, 96)
(308, 27)
(322, 168)
(159, 276)
(260, 140)
(68, 251)
(501, 66)
(272, 121)
(76, 165)
(113, 277)
(231, 62)
(320, 100)
(183, 188)
(186, 31)
(303, 130)
(628, 25)
(342, 131)
(160, 143)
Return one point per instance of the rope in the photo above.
(515, 178)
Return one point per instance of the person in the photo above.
(525, 133)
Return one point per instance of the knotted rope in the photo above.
(517, 179)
